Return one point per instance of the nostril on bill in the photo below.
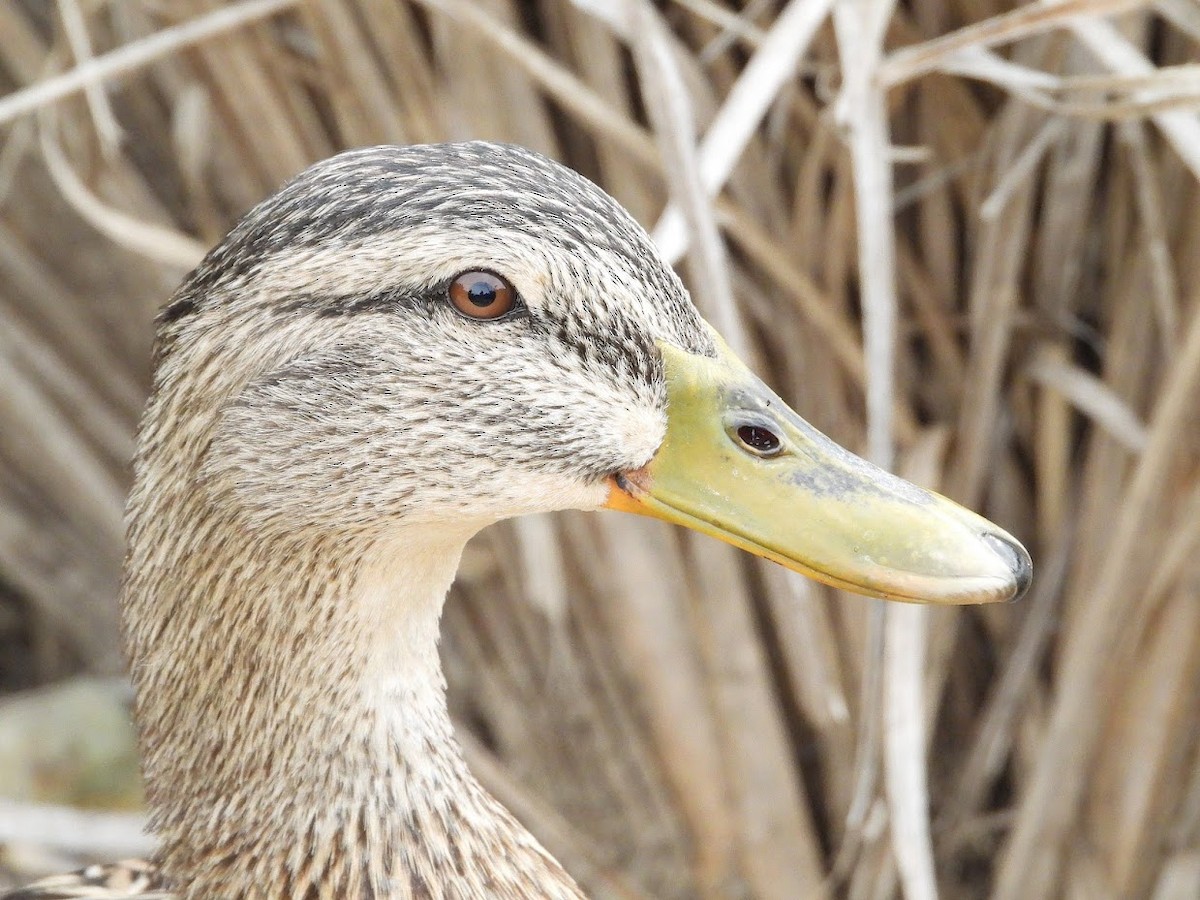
(1017, 558)
(759, 440)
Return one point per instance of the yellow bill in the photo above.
(738, 464)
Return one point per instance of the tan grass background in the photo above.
(958, 235)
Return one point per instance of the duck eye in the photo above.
(482, 295)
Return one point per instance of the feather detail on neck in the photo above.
(294, 725)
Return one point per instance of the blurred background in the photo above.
(960, 236)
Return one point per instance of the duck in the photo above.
(400, 347)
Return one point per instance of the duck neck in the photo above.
(295, 734)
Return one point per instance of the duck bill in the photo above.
(738, 464)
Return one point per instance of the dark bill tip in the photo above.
(1017, 558)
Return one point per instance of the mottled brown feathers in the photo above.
(325, 433)
(114, 881)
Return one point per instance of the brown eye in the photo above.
(482, 295)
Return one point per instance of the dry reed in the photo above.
(960, 237)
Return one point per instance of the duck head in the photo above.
(444, 336)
